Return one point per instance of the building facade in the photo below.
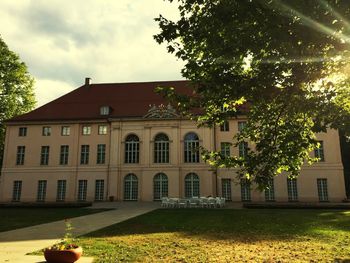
(122, 142)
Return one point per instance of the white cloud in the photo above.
(64, 41)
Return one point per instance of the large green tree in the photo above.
(284, 64)
(16, 89)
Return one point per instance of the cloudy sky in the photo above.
(64, 41)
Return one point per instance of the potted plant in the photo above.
(67, 251)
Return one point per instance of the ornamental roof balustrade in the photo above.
(161, 112)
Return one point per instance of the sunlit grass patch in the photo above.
(224, 236)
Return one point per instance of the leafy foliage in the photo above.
(283, 64)
(16, 89)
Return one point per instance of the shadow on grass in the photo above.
(19, 217)
(240, 225)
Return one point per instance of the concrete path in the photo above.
(15, 244)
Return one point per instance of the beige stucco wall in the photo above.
(114, 170)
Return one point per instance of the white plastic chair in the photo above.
(182, 203)
(211, 202)
(165, 202)
(194, 202)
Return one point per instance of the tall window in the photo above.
(46, 131)
(191, 148)
(102, 129)
(86, 130)
(82, 190)
(225, 126)
(292, 189)
(319, 153)
(65, 130)
(132, 148)
(64, 153)
(245, 190)
(225, 149)
(101, 153)
(160, 186)
(243, 149)
(161, 148)
(322, 190)
(226, 189)
(191, 185)
(41, 194)
(84, 155)
(17, 190)
(270, 191)
(22, 131)
(20, 155)
(130, 187)
(44, 156)
(99, 190)
(61, 190)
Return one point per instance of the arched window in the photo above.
(161, 148)
(130, 187)
(191, 148)
(191, 185)
(160, 186)
(132, 148)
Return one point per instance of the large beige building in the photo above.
(122, 142)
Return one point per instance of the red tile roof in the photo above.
(83, 103)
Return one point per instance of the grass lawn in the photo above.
(13, 218)
(202, 235)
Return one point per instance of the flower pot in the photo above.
(63, 256)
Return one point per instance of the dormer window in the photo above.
(104, 110)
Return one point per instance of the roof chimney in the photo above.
(87, 82)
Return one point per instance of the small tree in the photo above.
(284, 64)
(16, 89)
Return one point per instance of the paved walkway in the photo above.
(15, 244)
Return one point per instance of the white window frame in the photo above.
(319, 152)
(161, 148)
(101, 154)
(131, 187)
(61, 190)
(322, 189)
(46, 131)
(22, 131)
(225, 126)
(20, 155)
(160, 186)
(17, 191)
(192, 185)
(225, 149)
(41, 194)
(84, 154)
(243, 149)
(292, 188)
(64, 154)
(45, 155)
(241, 125)
(104, 110)
(132, 149)
(99, 190)
(270, 191)
(245, 190)
(226, 190)
(65, 130)
(191, 148)
(102, 129)
(82, 190)
(86, 130)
